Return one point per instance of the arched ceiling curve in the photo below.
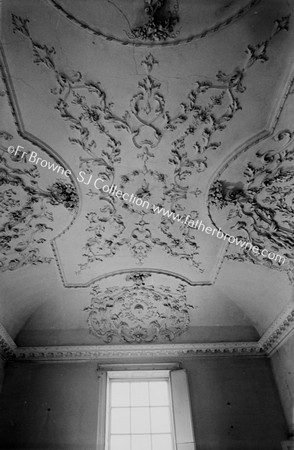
(154, 23)
(193, 113)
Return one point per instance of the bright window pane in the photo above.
(120, 442)
(159, 393)
(120, 394)
(139, 394)
(142, 442)
(160, 419)
(140, 420)
(161, 441)
(120, 420)
(140, 414)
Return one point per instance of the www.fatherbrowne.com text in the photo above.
(88, 179)
(184, 219)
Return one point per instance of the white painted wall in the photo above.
(283, 368)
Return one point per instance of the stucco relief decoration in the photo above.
(28, 204)
(138, 312)
(260, 207)
(161, 20)
(190, 133)
(27, 212)
(154, 22)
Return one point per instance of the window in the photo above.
(144, 410)
(139, 413)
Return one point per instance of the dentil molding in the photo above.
(280, 330)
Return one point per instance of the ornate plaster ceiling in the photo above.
(182, 105)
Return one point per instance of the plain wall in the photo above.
(54, 406)
(235, 404)
(49, 406)
(2, 369)
(283, 368)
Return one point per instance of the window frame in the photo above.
(183, 429)
(134, 375)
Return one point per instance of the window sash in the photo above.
(180, 403)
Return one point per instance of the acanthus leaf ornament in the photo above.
(26, 213)
(27, 204)
(160, 22)
(138, 313)
(148, 104)
(260, 208)
(86, 107)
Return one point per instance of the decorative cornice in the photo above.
(129, 352)
(7, 345)
(202, 34)
(278, 331)
(271, 340)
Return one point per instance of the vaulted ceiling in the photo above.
(183, 105)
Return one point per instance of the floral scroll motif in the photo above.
(160, 22)
(27, 212)
(191, 132)
(262, 207)
(208, 108)
(138, 313)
